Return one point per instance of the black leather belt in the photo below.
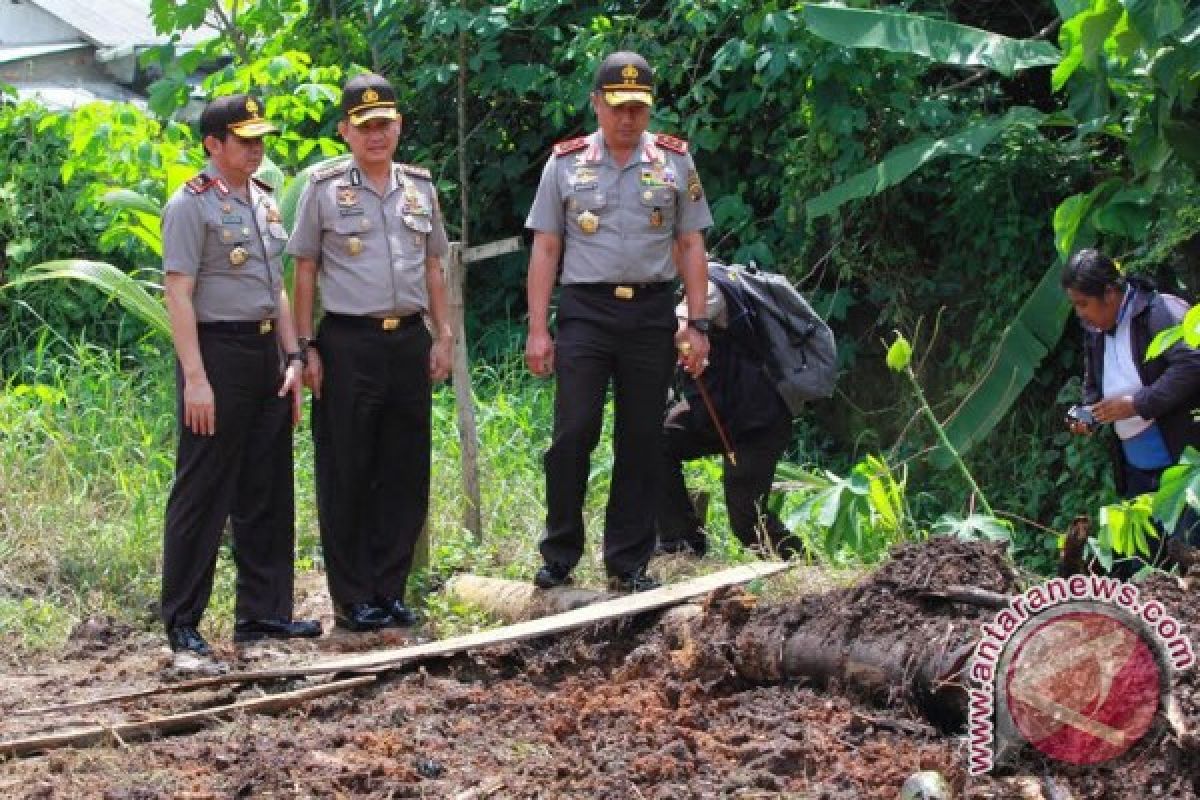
(373, 323)
(624, 291)
(238, 327)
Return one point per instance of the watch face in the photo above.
(699, 324)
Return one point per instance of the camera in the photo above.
(1082, 415)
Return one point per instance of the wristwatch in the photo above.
(306, 342)
(299, 355)
(702, 325)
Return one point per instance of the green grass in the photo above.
(86, 458)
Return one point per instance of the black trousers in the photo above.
(371, 437)
(243, 474)
(687, 435)
(602, 339)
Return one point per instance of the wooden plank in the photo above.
(624, 606)
(173, 723)
(380, 660)
(492, 249)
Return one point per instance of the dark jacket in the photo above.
(1170, 383)
(742, 393)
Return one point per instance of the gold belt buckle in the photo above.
(623, 292)
(265, 326)
(391, 323)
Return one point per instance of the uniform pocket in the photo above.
(658, 197)
(588, 200)
(418, 222)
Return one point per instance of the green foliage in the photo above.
(1178, 489)
(132, 293)
(1126, 530)
(974, 526)
(858, 517)
(937, 40)
(899, 354)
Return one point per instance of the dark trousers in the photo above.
(371, 438)
(243, 474)
(688, 434)
(600, 340)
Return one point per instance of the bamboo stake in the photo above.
(174, 723)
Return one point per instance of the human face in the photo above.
(621, 125)
(236, 157)
(374, 142)
(1101, 312)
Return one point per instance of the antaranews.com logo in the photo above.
(1077, 667)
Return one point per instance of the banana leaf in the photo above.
(1024, 344)
(142, 218)
(134, 294)
(903, 161)
(937, 40)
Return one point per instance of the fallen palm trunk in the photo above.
(174, 723)
(877, 668)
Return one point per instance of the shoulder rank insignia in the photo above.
(570, 146)
(260, 183)
(200, 184)
(672, 143)
(416, 172)
(338, 167)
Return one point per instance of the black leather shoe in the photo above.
(635, 581)
(402, 615)
(552, 574)
(252, 630)
(185, 638)
(359, 617)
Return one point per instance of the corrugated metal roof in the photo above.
(113, 23)
(21, 52)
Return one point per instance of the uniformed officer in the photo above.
(370, 231)
(237, 394)
(609, 207)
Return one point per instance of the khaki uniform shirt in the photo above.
(370, 249)
(618, 223)
(231, 246)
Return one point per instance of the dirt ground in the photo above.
(628, 710)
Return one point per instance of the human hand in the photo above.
(539, 353)
(199, 407)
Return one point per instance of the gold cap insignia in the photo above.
(629, 72)
(252, 106)
(370, 96)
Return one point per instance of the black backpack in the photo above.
(795, 345)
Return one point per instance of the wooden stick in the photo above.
(173, 723)
(971, 595)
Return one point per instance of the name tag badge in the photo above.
(231, 219)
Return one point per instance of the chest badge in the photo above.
(354, 245)
(588, 222)
(347, 197)
(273, 215)
(656, 218)
(226, 208)
(238, 256)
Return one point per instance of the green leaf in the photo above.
(1178, 488)
(1164, 340)
(903, 161)
(1073, 229)
(127, 199)
(1128, 214)
(937, 40)
(130, 292)
(1154, 19)
(1082, 40)
(899, 354)
(974, 526)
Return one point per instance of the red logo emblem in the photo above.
(1083, 687)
